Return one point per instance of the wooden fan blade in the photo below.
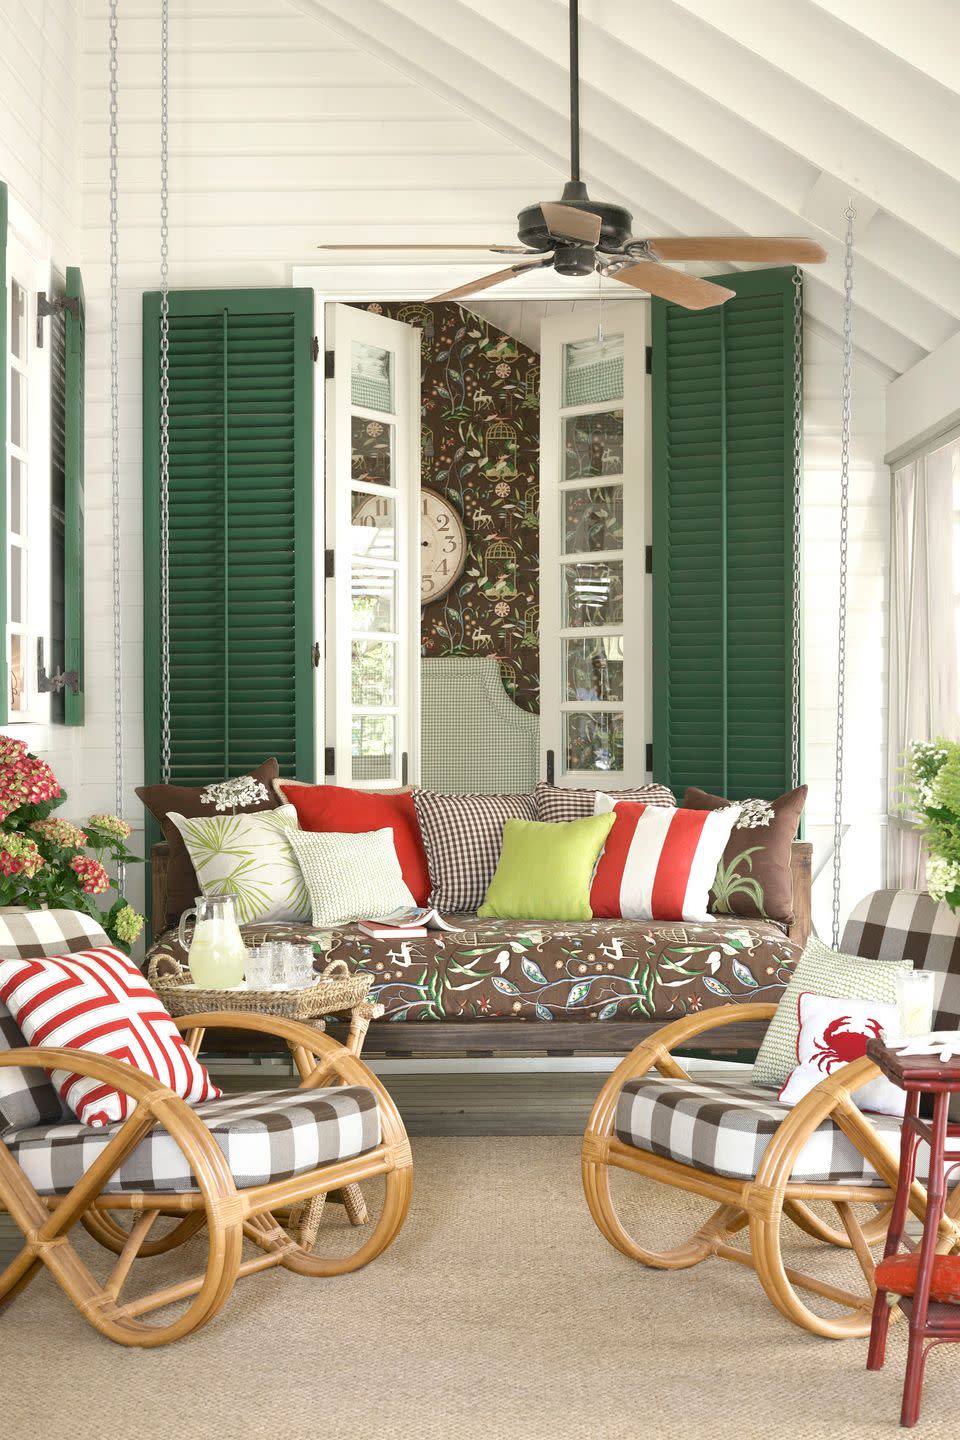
(568, 223)
(674, 285)
(780, 250)
(468, 245)
(485, 281)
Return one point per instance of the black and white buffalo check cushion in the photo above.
(724, 1127)
(462, 837)
(27, 1096)
(264, 1136)
(556, 804)
(910, 925)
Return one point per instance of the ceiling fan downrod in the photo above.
(575, 90)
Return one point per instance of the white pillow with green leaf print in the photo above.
(248, 857)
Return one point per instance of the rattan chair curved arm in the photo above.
(392, 1158)
(45, 1225)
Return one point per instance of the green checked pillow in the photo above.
(351, 877)
(247, 856)
(820, 971)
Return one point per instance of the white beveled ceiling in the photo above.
(721, 116)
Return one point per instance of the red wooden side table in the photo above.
(931, 1323)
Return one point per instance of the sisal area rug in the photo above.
(499, 1312)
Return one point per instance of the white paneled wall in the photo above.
(864, 788)
(283, 136)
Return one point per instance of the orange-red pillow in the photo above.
(338, 809)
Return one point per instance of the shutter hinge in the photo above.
(649, 359)
(648, 559)
(328, 364)
(59, 681)
(550, 767)
(47, 307)
(649, 757)
(316, 654)
(329, 761)
(315, 348)
(329, 564)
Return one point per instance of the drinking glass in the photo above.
(258, 968)
(294, 966)
(914, 1003)
(306, 965)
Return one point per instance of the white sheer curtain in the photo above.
(924, 630)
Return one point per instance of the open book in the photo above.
(406, 924)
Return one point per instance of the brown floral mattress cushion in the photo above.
(587, 970)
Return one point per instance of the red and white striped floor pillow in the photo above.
(658, 864)
(97, 1000)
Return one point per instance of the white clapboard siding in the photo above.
(865, 757)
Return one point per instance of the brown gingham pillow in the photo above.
(754, 878)
(27, 1096)
(463, 835)
(556, 804)
(182, 884)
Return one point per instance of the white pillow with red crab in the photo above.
(833, 1032)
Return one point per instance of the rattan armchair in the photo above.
(126, 1221)
(781, 1187)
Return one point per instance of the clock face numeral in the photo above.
(444, 546)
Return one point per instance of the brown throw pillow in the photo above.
(182, 883)
(754, 877)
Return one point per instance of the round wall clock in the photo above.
(443, 543)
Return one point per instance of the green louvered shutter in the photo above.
(723, 477)
(73, 494)
(241, 533)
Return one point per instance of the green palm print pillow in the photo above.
(248, 857)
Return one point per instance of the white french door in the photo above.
(373, 594)
(594, 528)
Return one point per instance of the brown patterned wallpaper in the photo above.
(480, 447)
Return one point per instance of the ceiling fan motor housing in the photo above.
(616, 223)
(570, 258)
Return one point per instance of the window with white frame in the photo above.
(28, 482)
(924, 627)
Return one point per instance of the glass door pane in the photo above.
(375, 640)
(593, 528)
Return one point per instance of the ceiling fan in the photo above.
(577, 236)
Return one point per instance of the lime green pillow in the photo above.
(545, 869)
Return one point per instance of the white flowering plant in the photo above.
(932, 793)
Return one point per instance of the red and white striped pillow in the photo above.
(658, 864)
(96, 1000)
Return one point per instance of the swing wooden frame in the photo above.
(230, 1214)
(760, 1203)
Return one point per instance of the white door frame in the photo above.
(337, 281)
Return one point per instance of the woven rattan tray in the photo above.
(335, 990)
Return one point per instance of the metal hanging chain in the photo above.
(796, 657)
(115, 432)
(165, 762)
(845, 418)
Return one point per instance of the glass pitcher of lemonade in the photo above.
(216, 953)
